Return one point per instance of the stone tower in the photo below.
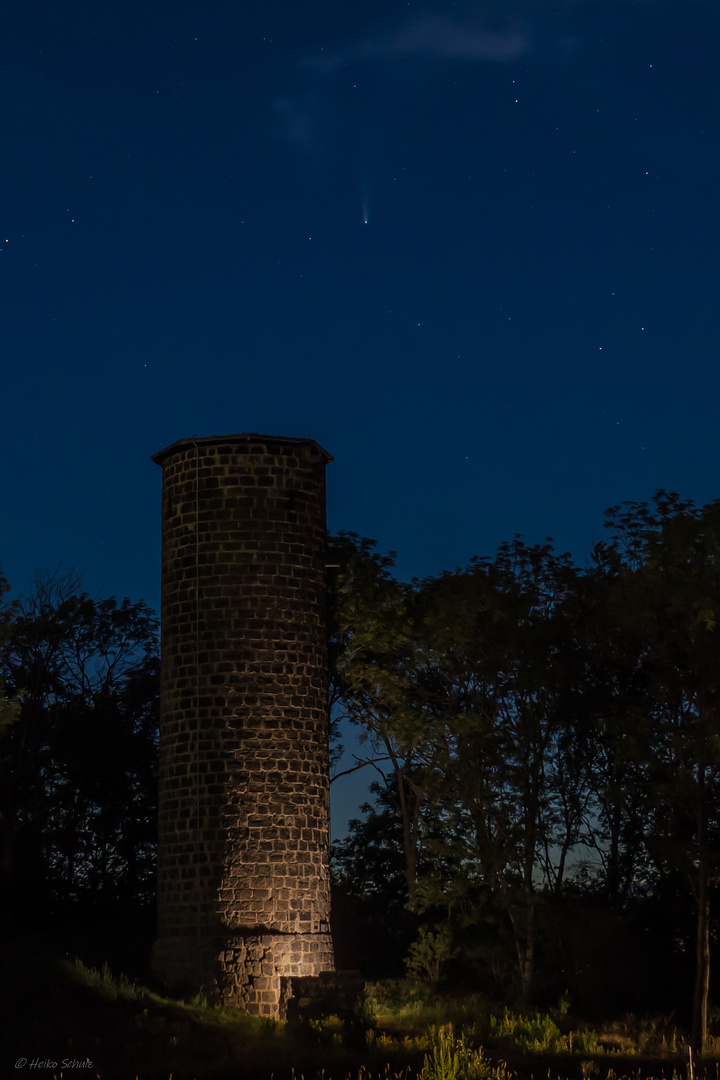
(243, 885)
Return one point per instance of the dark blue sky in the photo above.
(470, 248)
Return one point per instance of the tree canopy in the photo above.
(552, 732)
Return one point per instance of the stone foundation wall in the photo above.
(255, 969)
(243, 884)
(331, 993)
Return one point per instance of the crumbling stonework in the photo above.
(243, 885)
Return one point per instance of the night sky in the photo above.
(470, 248)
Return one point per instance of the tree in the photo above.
(372, 927)
(461, 685)
(9, 708)
(666, 560)
(613, 720)
(502, 676)
(78, 768)
(372, 655)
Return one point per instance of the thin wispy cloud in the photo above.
(439, 39)
(429, 38)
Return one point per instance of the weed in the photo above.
(365, 1013)
(536, 1034)
(450, 1058)
(584, 1042)
(200, 1001)
(109, 986)
(644, 1035)
(328, 1029)
(268, 1027)
(392, 994)
(588, 1069)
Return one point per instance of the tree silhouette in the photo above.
(78, 766)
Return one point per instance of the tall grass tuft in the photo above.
(451, 1058)
(103, 982)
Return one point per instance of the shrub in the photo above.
(430, 953)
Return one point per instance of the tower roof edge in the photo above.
(244, 437)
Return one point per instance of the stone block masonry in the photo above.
(243, 883)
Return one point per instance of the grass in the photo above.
(62, 1009)
(404, 1007)
(58, 1008)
